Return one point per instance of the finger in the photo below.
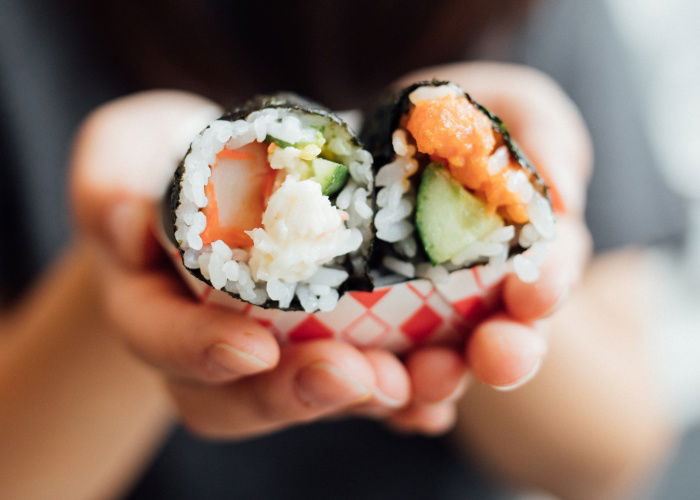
(313, 379)
(125, 152)
(129, 231)
(565, 261)
(503, 353)
(438, 374)
(164, 326)
(540, 117)
(393, 386)
(430, 419)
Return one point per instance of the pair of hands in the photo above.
(227, 374)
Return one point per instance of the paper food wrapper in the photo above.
(395, 317)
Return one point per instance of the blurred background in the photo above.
(631, 66)
(660, 41)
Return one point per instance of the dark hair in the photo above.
(340, 52)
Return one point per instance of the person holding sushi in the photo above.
(73, 393)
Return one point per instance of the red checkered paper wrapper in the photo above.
(396, 317)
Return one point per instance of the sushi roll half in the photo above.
(272, 204)
(453, 190)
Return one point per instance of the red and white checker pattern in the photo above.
(396, 318)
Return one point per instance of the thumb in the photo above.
(129, 231)
(123, 157)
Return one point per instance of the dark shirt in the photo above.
(48, 83)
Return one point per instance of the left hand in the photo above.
(226, 374)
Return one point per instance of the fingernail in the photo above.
(324, 385)
(531, 374)
(563, 297)
(458, 391)
(231, 360)
(387, 400)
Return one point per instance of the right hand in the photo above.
(506, 350)
(226, 373)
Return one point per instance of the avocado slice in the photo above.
(330, 175)
(448, 217)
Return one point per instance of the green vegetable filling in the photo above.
(448, 217)
(331, 175)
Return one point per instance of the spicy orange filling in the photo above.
(237, 192)
(455, 132)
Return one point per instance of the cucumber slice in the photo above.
(320, 140)
(279, 142)
(448, 217)
(330, 175)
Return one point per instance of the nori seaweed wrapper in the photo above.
(380, 123)
(359, 281)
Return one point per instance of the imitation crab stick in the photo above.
(237, 192)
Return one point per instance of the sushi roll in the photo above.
(452, 189)
(272, 204)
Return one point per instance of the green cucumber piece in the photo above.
(448, 217)
(279, 142)
(330, 175)
(320, 140)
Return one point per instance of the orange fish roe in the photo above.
(454, 131)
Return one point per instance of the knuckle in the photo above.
(270, 410)
(201, 427)
(197, 421)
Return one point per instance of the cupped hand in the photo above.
(226, 373)
(506, 350)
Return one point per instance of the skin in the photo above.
(225, 375)
(593, 423)
(507, 350)
(70, 391)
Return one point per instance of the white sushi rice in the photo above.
(437, 274)
(301, 246)
(399, 266)
(396, 202)
(430, 92)
(301, 232)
